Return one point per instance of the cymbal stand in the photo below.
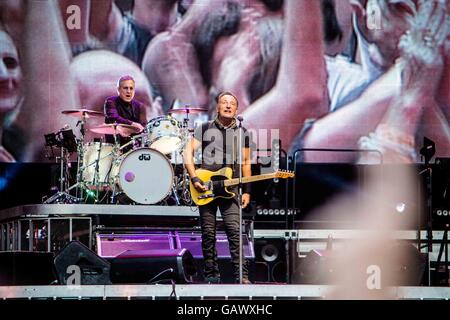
(79, 186)
(96, 173)
(116, 150)
(112, 179)
(175, 192)
(62, 196)
(80, 158)
(185, 193)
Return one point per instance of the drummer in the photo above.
(124, 109)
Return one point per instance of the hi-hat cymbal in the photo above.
(80, 113)
(187, 110)
(115, 128)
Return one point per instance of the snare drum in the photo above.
(163, 134)
(103, 152)
(145, 175)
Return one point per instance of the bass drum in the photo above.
(145, 176)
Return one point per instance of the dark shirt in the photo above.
(118, 111)
(219, 147)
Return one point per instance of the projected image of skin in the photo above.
(357, 74)
(10, 87)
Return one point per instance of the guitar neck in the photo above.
(235, 181)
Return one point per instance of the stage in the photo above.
(206, 292)
(164, 227)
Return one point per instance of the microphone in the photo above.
(240, 118)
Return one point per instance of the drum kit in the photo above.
(146, 170)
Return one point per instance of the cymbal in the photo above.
(115, 128)
(79, 113)
(187, 110)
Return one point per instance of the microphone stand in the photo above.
(240, 200)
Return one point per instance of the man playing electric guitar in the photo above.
(218, 140)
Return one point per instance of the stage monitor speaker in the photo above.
(404, 264)
(26, 268)
(270, 260)
(150, 266)
(94, 270)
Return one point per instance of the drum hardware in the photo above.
(71, 145)
(144, 174)
(63, 139)
(82, 114)
(115, 163)
(136, 141)
(182, 184)
(175, 194)
(186, 132)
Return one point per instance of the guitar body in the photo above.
(218, 181)
(215, 179)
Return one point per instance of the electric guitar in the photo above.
(218, 181)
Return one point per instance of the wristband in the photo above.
(196, 179)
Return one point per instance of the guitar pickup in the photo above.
(206, 196)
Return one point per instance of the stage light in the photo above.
(400, 207)
(90, 194)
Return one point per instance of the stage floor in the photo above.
(206, 292)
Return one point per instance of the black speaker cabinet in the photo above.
(150, 266)
(270, 260)
(26, 268)
(404, 265)
(94, 270)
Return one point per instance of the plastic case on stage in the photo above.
(49, 234)
(110, 245)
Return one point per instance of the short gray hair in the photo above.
(124, 78)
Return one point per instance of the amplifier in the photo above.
(112, 245)
(275, 213)
(193, 242)
(274, 217)
(131, 254)
(441, 217)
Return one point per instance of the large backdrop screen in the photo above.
(368, 76)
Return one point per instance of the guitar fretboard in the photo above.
(235, 181)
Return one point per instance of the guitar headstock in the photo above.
(284, 174)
